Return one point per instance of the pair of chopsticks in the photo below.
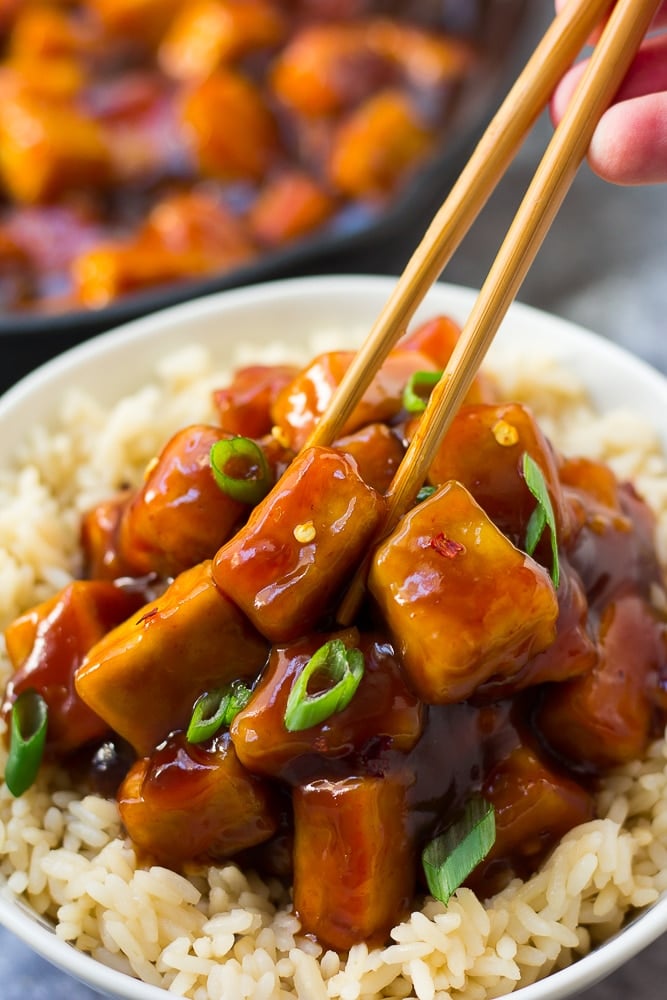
(628, 22)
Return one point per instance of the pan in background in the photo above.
(501, 29)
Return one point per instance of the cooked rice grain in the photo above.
(223, 932)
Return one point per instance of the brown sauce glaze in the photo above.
(539, 674)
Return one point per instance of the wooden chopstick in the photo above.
(609, 63)
(528, 97)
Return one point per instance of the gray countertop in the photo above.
(604, 265)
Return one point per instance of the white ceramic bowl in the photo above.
(115, 363)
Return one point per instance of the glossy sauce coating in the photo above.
(48, 644)
(487, 670)
(300, 543)
(383, 714)
(192, 801)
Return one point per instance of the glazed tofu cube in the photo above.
(99, 538)
(179, 516)
(48, 148)
(378, 146)
(535, 804)
(354, 866)
(48, 644)
(303, 401)
(377, 451)
(206, 34)
(191, 802)
(41, 33)
(462, 603)
(612, 526)
(593, 481)
(573, 652)
(289, 207)
(326, 69)
(144, 677)
(144, 21)
(25, 78)
(429, 61)
(436, 338)
(230, 129)
(194, 221)
(185, 236)
(109, 271)
(300, 544)
(604, 718)
(244, 406)
(304, 398)
(484, 450)
(383, 713)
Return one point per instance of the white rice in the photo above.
(223, 932)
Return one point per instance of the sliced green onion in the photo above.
(454, 854)
(414, 401)
(425, 492)
(240, 469)
(29, 720)
(542, 516)
(216, 709)
(343, 666)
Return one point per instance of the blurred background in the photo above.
(603, 265)
(604, 262)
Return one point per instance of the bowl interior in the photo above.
(117, 362)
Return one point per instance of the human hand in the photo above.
(630, 143)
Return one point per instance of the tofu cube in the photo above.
(195, 802)
(604, 718)
(145, 675)
(535, 804)
(48, 644)
(48, 148)
(232, 132)
(354, 867)
(383, 712)
(300, 544)
(462, 603)
(484, 450)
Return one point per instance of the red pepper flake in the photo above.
(446, 546)
(151, 613)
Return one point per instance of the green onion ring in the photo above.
(344, 666)
(29, 721)
(413, 402)
(245, 454)
(215, 709)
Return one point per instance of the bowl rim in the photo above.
(615, 372)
